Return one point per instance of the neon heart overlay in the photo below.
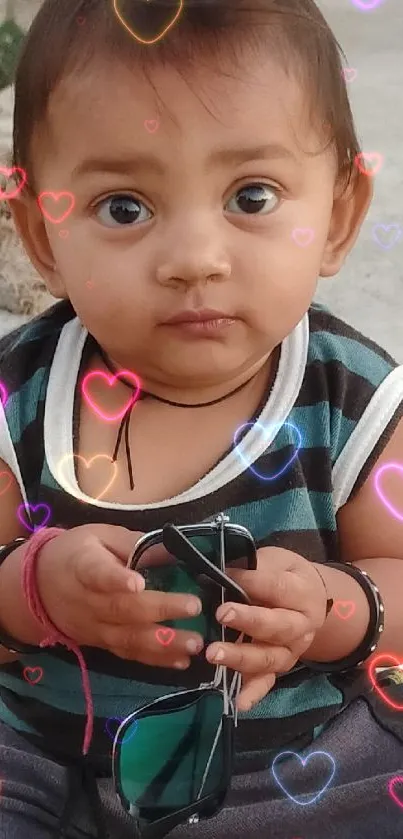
(63, 234)
(110, 380)
(303, 236)
(304, 761)
(4, 170)
(135, 34)
(88, 464)
(398, 779)
(267, 432)
(56, 196)
(151, 125)
(346, 606)
(89, 284)
(23, 510)
(350, 74)
(8, 482)
(3, 395)
(375, 662)
(80, 20)
(398, 514)
(165, 634)
(368, 156)
(112, 736)
(28, 670)
(367, 5)
(386, 228)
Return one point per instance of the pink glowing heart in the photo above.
(303, 236)
(9, 172)
(151, 125)
(3, 395)
(388, 467)
(393, 794)
(165, 635)
(60, 211)
(111, 381)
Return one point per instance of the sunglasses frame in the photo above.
(198, 562)
(174, 538)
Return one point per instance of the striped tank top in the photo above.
(335, 392)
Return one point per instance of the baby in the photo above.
(192, 169)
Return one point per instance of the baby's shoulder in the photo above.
(26, 353)
(347, 358)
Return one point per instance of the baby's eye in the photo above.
(253, 198)
(117, 210)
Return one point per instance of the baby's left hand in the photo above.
(289, 606)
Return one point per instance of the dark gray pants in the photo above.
(356, 803)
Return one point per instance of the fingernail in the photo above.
(194, 645)
(216, 655)
(193, 607)
(181, 665)
(308, 638)
(136, 583)
(227, 617)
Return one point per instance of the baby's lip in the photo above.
(198, 315)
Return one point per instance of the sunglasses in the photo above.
(173, 758)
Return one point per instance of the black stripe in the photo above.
(326, 321)
(315, 545)
(332, 381)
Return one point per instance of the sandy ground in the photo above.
(368, 292)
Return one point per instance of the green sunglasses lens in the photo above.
(166, 765)
(163, 572)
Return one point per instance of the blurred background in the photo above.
(368, 292)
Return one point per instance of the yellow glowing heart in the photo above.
(136, 35)
(87, 463)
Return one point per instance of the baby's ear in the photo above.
(31, 228)
(350, 206)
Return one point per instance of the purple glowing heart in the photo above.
(113, 735)
(24, 511)
(379, 230)
(304, 761)
(266, 432)
(367, 5)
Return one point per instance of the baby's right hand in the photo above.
(91, 597)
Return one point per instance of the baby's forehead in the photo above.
(113, 103)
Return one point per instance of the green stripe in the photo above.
(318, 692)
(22, 406)
(10, 719)
(286, 512)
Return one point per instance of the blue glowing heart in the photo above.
(267, 431)
(304, 760)
(128, 734)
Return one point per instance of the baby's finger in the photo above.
(159, 646)
(278, 626)
(254, 690)
(101, 571)
(251, 658)
(146, 607)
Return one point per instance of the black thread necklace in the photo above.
(125, 423)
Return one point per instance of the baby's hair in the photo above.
(67, 35)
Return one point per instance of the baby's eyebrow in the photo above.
(229, 157)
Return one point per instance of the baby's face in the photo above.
(179, 205)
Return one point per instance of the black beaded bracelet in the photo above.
(375, 625)
(11, 644)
